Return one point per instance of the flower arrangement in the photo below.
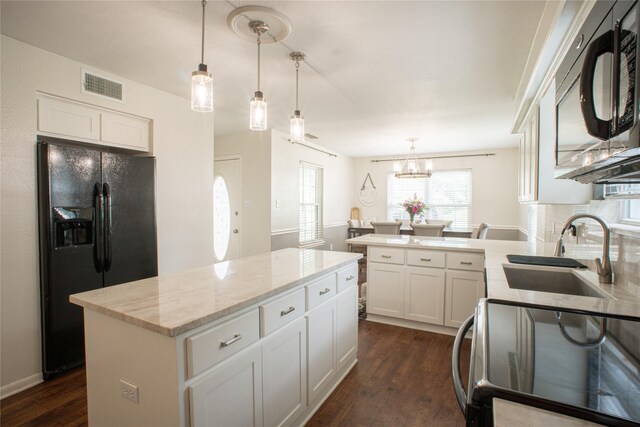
(414, 207)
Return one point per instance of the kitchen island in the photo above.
(261, 340)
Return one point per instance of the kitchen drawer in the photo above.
(213, 345)
(320, 291)
(347, 277)
(422, 258)
(278, 313)
(465, 261)
(386, 255)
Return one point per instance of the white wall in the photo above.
(494, 185)
(182, 144)
(338, 173)
(255, 150)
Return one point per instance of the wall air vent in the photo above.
(101, 86)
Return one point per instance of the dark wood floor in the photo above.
(403, 378)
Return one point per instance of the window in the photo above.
(221, 218)
(631, 213)
(310, 203)
(447, 195)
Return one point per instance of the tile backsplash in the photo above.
(545, 225)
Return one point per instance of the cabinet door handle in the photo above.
(236, 338)
(386, 256)
(350, 278)
(466, 263)
(425, 259)
(287, 311)
(324, 291)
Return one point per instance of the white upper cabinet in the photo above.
(536, 182)
(87, 123)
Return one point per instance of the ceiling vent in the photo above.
(98, 85)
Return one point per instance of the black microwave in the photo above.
(597, 98)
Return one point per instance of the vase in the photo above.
(411, 216)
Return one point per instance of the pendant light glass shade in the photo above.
(258, 112)
(296, 127)
(202, 90)
(201, 81)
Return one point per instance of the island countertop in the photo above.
(175, 303)
(495, 252)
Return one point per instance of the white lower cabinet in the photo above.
(463, 290)
(385, 289)
(231, 394)
(347, 326)
(284, 374)
(426, 294)
(423, 294)
(321, 348)
(278, 377)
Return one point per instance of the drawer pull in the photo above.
(324, 291)
(350, 278)
(386, 256)
(425, 259)
(287, 311)
(236, 338)
(466, 263)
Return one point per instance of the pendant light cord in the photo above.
(204, 3)
(259, 43)
(297, 69)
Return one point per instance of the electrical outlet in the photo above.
(129, 391)
(331, 246)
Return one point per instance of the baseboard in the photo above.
(411, 324)
(20, 385)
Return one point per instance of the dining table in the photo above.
(405, 229)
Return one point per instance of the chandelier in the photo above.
(411, 166)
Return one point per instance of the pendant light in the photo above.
(258, 104)
(411, 167)
(296, 125)
(201, 81)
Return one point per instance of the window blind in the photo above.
(447, 195)
(311, 225)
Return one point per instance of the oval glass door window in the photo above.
(221, 218)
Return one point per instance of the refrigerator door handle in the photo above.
(98, 247)
(107, 227)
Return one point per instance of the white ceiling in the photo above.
(377, 72)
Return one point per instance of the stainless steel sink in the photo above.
(556, 280)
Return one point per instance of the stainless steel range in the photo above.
(581, 364)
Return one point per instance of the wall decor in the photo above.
(368, 194)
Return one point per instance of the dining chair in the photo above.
(434, 230)
(481, 231)
(446, 222)
(386, 227)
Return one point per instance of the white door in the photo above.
(424, 294)
(385, 289)
(462, 292)
(347, 326)
(321, 348)
(227, 209)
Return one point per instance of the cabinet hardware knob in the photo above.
(386, 256)
(350, 278)
(287, 311)
(466, 262)
(425, 259)
(236, 338)
(324, 291)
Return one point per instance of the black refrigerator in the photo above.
(97, 228)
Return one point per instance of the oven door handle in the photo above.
(597, 127)
(455, 363)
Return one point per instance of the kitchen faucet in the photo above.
(605, 273)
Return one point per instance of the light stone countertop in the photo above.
(510, 414)
(496, 251)
(175, 303)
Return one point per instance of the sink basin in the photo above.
(557, 281)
